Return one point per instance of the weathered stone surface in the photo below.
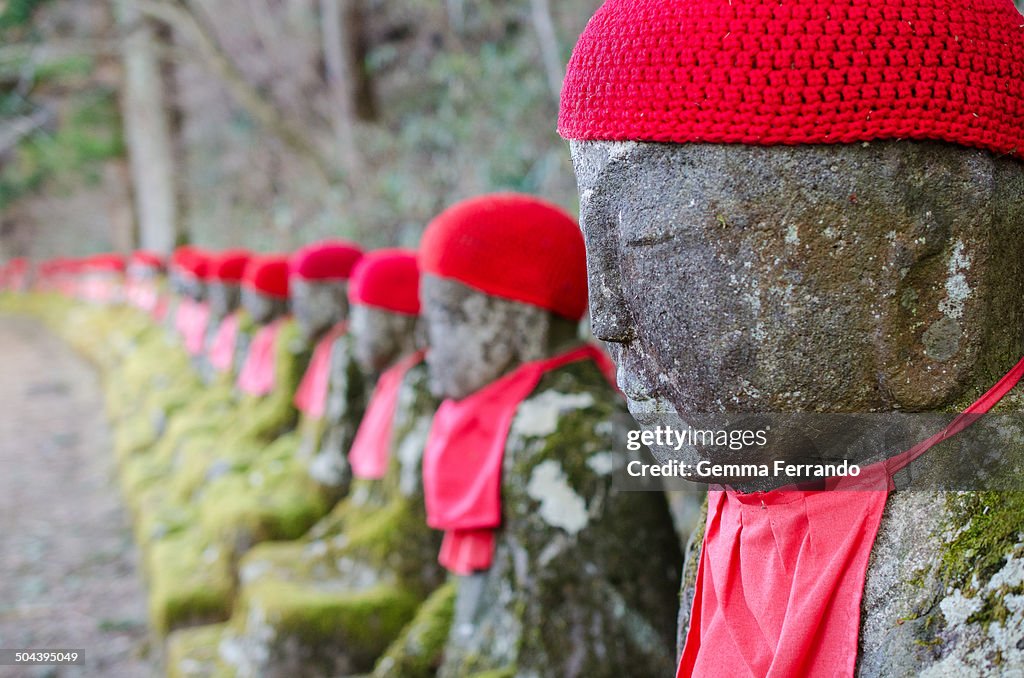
(803, 278)
(262, 308)
(870, 277)
(317, 306)
(224, 298)
(475, 338)
(331, 603)
(563, 596)
(380, 336)
(348, 391)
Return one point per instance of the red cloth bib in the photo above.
(781, 573)
(195, 327)
(368, 455)
(222, 347)
(463, 459)
(311, 396)
(257, 375)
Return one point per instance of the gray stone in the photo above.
(475, 338)
(318, 306)
(380, 336)
(224, 299)
(857, 278)
(562, 597)
(263, 308)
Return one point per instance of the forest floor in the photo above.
(69, 575)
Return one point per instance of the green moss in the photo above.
(191, 582)
(362, 622)
(991, 523)
(988, 527)
(193, 653)
(418, 651)
(507, 672)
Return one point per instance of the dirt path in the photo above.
(68, 570)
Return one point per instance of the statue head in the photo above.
(224, 281)
(144, 266)
(504, 282)
(385, 305)
(188, 271)
(265, 288)
(319, 278)
(828, 223)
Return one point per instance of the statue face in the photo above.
(835, 278)
(224, 298)
(380, 337)
(261, 307)
(318, 306)
(475, 338)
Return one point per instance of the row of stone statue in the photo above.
(311, 497)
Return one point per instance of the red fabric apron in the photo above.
(463, 459)
(257, 375)
(222, 347)
(311, 396)
(781, 573)
(368, 455)
(182, 314)
(195, 328)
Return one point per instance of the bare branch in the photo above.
(19, 128)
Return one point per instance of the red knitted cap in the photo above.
(191, 261)
(145, 259)
(108, 263)
(799, 72)
(267, 275)
(388, 279)
(229, 266)
(327, 260)
(512, 246)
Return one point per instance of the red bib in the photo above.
(257, 375)
(311, 396)
(193, 326)
(368, 455)
(463, 459)
(781, 573)
(222, 348)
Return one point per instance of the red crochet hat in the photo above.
(267, 275)
(799, 72)
(388, 279)
(229, 266)
(191, 261)
(512, 246)
(145, 259)
(106, 263)
(326, 260)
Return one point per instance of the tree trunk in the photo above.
(147, 131)
(341, 73)
(549, 49)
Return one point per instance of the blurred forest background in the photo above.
(269, 123)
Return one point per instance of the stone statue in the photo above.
(751, 266)
(330, 603)
(545, 586)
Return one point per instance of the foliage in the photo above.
(88, 135)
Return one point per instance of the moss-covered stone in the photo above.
(190, 582)
(332, 602)
(562, 597)
(418, 651)
(194, 653)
